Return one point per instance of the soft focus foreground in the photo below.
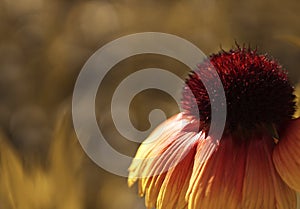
(43, 45)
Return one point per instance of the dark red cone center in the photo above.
(257, 90)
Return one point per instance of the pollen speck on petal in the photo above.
(286, 155)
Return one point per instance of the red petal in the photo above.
(239, 176)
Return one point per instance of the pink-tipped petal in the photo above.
(286, 155)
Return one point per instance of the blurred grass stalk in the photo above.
(67, 180)
(58, 186)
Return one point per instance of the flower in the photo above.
(255, 165)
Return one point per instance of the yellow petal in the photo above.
(153, 146)
(176, 182)
(156, 162)
(286, 155)
(239, 176)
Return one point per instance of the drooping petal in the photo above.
(298, 200)
(286, 155)
(263, 187)
(217, 182)
(239, 176)
(176, 182)
(176, 156)
(154, 147)
(150, 148)
(164, 162)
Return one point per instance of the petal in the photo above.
(298, 200)
(212, 179)
(177, 155)
(175, 184)
(239, 175)
(150, 148)
(263, 187)
(164, 163)
(286, 155)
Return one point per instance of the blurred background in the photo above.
(45, 43)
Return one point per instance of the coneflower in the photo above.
(255, 165)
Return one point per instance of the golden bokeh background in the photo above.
(43, 46)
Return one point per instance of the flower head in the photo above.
(256, 164)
